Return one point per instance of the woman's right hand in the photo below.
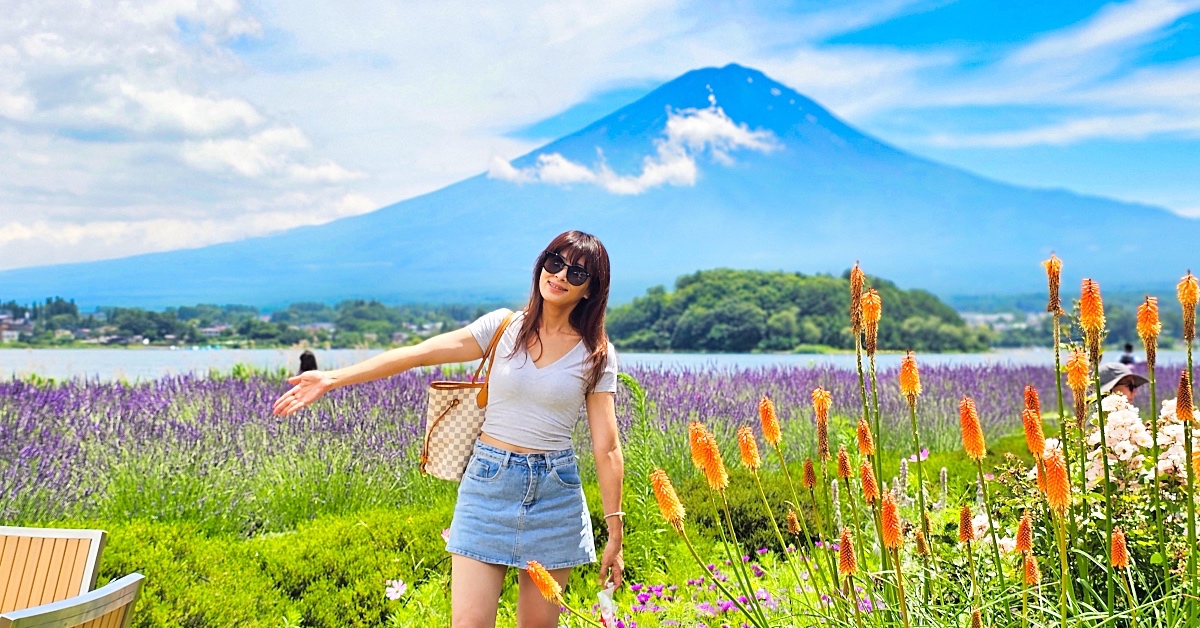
(306, 388)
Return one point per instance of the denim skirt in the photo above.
(513, 508)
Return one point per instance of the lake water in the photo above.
(141, 364)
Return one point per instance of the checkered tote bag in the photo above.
(454, 417)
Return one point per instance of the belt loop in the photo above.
(507, 455)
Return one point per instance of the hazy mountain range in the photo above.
(721, 167)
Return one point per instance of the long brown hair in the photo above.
(587, 318)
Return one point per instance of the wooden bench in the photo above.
(110, 606)
(43, 565)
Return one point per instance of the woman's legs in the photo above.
(533, 611)
(474, 592)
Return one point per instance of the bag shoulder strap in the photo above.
(489, 357)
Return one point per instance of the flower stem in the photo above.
(1062, 425)
(717, 581)
(585, 618)
(1024, 596)
(974, 580)
(779, 535)
(1064, 567)
(831, 582)
(854, 514)
(900, 587)
(852, 598)
(738, 564)
(829, 512)
(987, 509)
(1191, 503)
(1158, 514)
(912, 413)
(1108, 519)
(1127, 584)
(866, 414)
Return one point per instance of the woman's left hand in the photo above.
(612, 563)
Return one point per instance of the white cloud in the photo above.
(1114, 25)
(1108, 127)
(194, 115)
(689, 134)
(268, 153)
(34, 242)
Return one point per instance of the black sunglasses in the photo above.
(553, 262)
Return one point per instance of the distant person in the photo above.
(308, 361)
(521, 497)
(1127, 357)
(1116, 377)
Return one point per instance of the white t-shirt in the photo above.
(533, 407)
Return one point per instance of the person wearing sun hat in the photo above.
(1116, 377)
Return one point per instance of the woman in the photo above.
(521, 498)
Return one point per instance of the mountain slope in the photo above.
(824, 196)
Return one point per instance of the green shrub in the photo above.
(191, 580)
(331, 571)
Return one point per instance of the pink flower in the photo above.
(446, 535)
(395, 589)
(924, 455)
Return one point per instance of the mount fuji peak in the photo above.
(720, 167)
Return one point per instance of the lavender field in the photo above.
(207, 449)
(319, 519)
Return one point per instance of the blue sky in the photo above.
(132, 127)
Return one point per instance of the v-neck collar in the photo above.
(560, 358)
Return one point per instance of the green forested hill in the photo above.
(726, 310)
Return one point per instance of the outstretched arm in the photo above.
(454, 346)
(610, 471)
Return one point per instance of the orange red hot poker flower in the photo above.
(869, 487)
(668, 501)
(1024, 534)
(546, 583)
(793, 522)
(822, 401)
(1077, 368)
(891, 522)
(843, 463)
(1091, 307)
(1035, 438)
(810, 474)
(696, 433)
(748, 447)
(847, 561)
(910, 378)
(1091, 316)
(1120, 552)
(972, 432)
(706, 455)
(856, 287)
(1188, 292)
(866, 442)
(966, 529)
(1077, 379)
(922, 544)
(1149, 327)
(1054, 277)
(769, 420)
(714, 465)
(1058, 485)
(872, 308)
(1033, 575)
(1032, 401)
(1184, 408)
